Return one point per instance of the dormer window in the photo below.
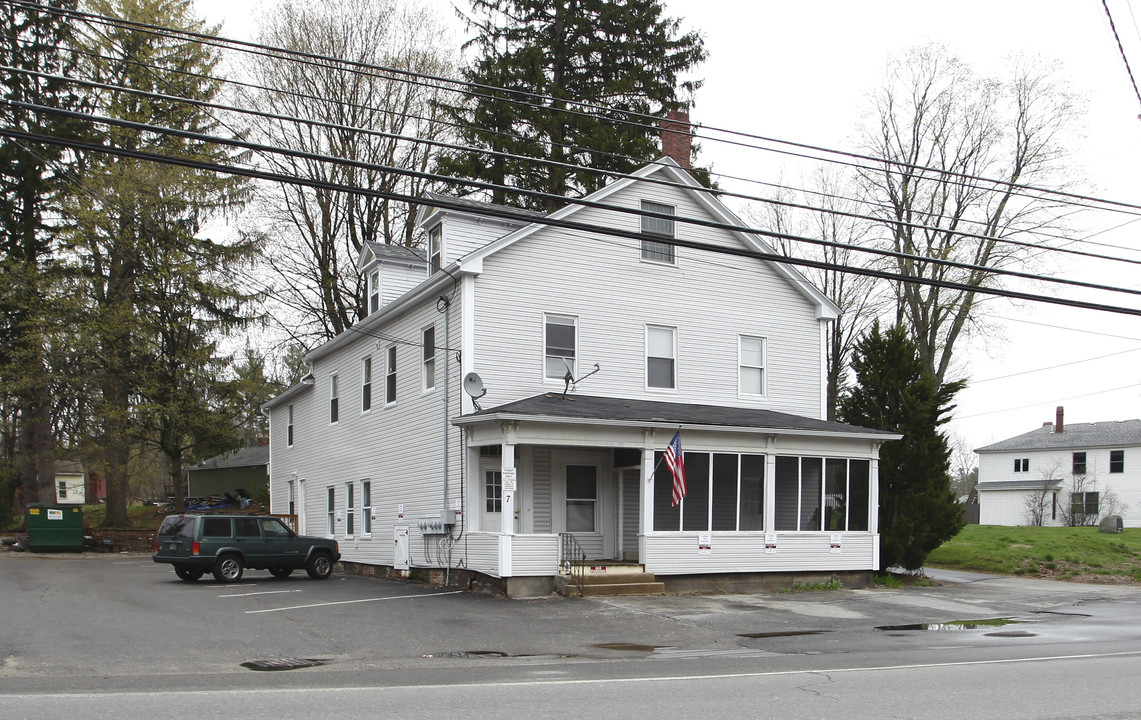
(373, 291)
(435, 248)
(652, 250)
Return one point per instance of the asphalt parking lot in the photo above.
(123, 616)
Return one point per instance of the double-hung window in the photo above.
(390, 375)
(656, 250)
(366, 507)
(289, 428)
(560, 335)
(435, 249)
(751, 365)
(366, 384)
(331, 510)
(1117, 461)
(428, 371)
(350, 510)
(1021, 465)
(1079, 467)
(373, 291)
(334, 400)
(661, 357)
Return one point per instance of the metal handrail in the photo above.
(572, 560)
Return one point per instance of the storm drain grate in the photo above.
(283, 664)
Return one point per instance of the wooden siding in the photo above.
(676, 553)
(602, 281)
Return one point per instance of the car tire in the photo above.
(319, 566)
(188, 574)
(280, 572)
(228, 569)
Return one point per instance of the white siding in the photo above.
(676, 553)
(398, 448)
(1008, 508)
(398, 278)
(711, 300)
(464, 233)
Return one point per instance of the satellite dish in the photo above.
(473, 385)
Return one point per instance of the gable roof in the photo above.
(389, 253)
(552, 406)
(245, 457)
(1120, 433)
(825, 308)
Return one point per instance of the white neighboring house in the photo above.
(70, 482)
(381, 448)
(1081, 470)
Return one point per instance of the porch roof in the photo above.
(554, 407)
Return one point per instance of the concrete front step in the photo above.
(622, 588)
(612, 578)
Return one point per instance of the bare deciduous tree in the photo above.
(857, 296)
(1040, 503)
(944, 134)
(314, 234)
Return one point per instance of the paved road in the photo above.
(118, 636)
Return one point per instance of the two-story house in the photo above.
(1063, 474)
(503, 409)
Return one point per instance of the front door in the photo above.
(588, 492)
(491, 498)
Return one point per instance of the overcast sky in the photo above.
(803, 71)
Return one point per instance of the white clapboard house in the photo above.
(442, 433)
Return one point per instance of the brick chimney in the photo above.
(677, 137)
(1058, 425)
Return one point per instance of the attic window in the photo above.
(653, 250)
(373, 291)
(435, 248)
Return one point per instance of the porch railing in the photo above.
(572, 560)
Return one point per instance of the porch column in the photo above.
(646, 513)
(874, 495)
(507, 510)
(510, 480)
(770, 496)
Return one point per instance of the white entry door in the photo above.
(586, 486)
(491, 499)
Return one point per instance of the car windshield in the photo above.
(177, 526)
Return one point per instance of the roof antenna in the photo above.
(569, 379)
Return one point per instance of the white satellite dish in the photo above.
(473, 385)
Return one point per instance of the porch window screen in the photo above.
(799, 486)
(835, 494)
(859, 491)
(752, 492)
(695, 505)
(724, 505)
(582, 496)
(666, 517)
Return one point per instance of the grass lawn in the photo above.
(1047, 552)
(141, 516)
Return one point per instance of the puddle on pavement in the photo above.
(283, 664)
(1012, 633)
(782, 633)
(627, 646)
(954, 625)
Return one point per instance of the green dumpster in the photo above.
(55, 528)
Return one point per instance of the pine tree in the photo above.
(918, 510)
(543, 58)
(156, 290)
(35, 42)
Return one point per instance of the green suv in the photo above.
(225, 545)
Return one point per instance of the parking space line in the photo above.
(263, 592)
(351, 602)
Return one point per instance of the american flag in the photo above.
(675, 459)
